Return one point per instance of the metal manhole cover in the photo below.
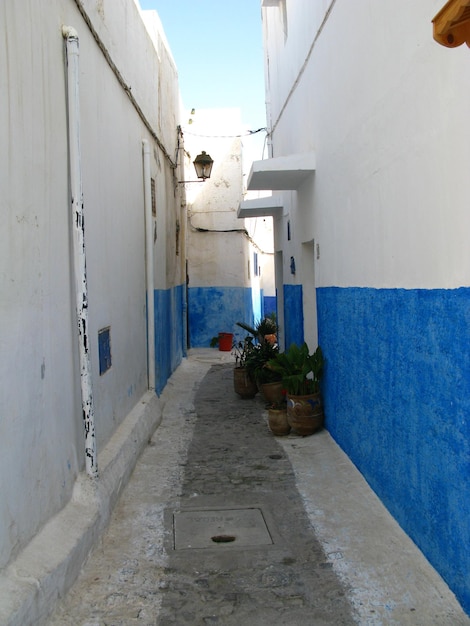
(221, 527)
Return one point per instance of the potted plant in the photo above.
(265, 331)
(268, 381)
(265, 348)
(301, 374)
(244, 385)
(277, 418)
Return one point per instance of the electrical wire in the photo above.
(243, 231)
(247, 134)
(123, 83)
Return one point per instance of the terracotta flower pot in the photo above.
(305, 413)
(242, 383)
(277, 420)
(272, 392)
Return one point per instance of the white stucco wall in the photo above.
(379, 235)
(382, 105)
(222, 259)
(40, 414)
(260, 229)
(216, 258)
(261, 233)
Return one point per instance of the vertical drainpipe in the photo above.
(79, 253)
(149, 265)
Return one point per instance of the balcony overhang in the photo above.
(451, 26)
(281, 173)
(260, 207)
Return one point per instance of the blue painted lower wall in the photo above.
(217, 309)
(293, 315)
(397, 400)
(169, 333)
(269, 305)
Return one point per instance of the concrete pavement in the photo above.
(294, 534)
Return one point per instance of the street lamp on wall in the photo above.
(203, 165)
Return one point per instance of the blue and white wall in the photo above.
(221, 281)
(383, 227)
(41, 425)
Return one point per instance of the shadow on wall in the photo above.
(169, 333)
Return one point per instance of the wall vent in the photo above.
(104, 349)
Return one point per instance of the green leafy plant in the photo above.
(242, 349)
(265, 327)
(300, 371)
(256, 363)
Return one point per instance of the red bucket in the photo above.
(225, 342)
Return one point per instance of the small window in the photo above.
(104, 349)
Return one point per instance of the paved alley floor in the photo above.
(223, 523)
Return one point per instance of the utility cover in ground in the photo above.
(232, 528)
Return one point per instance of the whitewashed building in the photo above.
(229, 260)
(99, 237)
(89, 116)
(368, 184)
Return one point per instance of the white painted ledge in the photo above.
(260, 207)
(281, 173)
(51, 562)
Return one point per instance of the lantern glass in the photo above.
(203, 165)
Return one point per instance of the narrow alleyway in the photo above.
(222, 523)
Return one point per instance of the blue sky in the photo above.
(227, 36)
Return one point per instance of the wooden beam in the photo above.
(451, 26)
